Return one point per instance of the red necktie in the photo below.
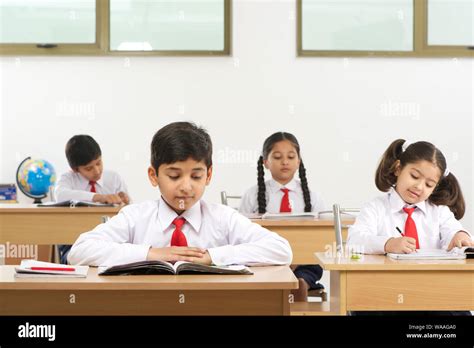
(92, 183)
(285, 202)
(410, 226)
(178, 238)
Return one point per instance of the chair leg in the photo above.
(301, 294)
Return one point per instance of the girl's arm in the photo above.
(363, 236)
(450, 229)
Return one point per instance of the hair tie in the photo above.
(446, 172)
(406, 144)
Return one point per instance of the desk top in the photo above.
(384, 263)
(7, 208)
(270, 277)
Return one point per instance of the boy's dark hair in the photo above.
(82, 149)
(447, 191)
(267, 148)
(179, 141)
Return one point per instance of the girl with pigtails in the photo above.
(421, 207)
(283, 193)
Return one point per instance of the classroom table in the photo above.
(378, 283)
(29, 224)
(266, 292)
(305, 236)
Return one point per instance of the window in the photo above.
(115, 27)
(366, 25)
(450, 25)
(385, 28)
(33, 26)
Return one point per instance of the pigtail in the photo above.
(262, 202)
(385, 175)
(448, 192)
(304, 187)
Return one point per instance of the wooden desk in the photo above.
(378, 283)
(264, 293)
(305, 236)
(28, 224)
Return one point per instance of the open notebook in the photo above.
(40, 269)
(73, 203)
(434, 254)
(290, 216)
(163, 267)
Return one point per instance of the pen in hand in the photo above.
(399, 231)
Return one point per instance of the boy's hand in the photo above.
(108, 199)
(204, 260)
(173, 254)
(124, 197)
(459, 240)
(401, 245)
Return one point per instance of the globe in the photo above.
(34, 178)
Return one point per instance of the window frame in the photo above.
(102, 45)
(420, 40)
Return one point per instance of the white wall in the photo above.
(344, 112)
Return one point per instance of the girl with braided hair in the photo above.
(284, 193)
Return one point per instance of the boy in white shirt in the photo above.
(179, 226)
(87, 180)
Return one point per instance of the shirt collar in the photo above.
(85, 182)
(100, 182)
(275, 186)
(166, 215)
(397, 203)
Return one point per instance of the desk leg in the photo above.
(338, 298)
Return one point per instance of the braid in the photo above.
(304, 187)
(262, 202)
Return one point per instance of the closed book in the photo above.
(40, 269)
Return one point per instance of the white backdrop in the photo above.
(344, 112)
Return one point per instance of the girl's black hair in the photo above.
(81, 150)
(267, 148)
(179, 141)
(447, 192)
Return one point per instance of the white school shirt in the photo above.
(273, 195)
(229, 237)
(378, 221)
(73, 186)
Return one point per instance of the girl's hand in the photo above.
(459, 240)
(401, 245)
(173, 254)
